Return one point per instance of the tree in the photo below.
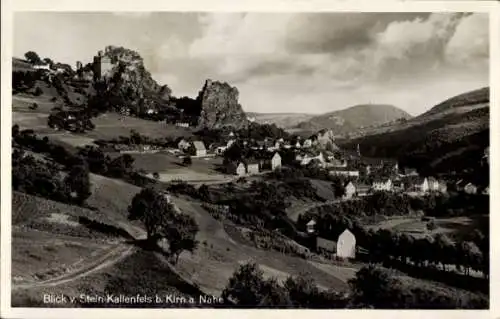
(431, 225)
(33, 57)
(444, 249)
(38, 91)
(373, 286)
(187, 161)
(154, 210)
(234, 153)
(48, 61)
(204, 192)
(122, 165)
(245, 287)
(34, 106)
(274, 295)
(15, 131)
(301, 290)
(338, 188)
(78, 182)
(180, 232)
(156, 175)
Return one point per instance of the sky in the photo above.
(283, 62)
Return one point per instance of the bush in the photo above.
(38, 91)
(431, 225)
(187, 161)
(248, 288)
(376, 287)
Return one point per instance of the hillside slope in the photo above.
(350, 119)
(283, 120)
(470, 98)
(452, 136)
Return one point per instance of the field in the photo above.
(99, 263)
(108, 126)
(455, 227)
(113, 125)
(170, 167)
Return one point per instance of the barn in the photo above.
(343, 248)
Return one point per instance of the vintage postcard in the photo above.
(199, 158)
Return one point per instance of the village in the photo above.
(248, 158)
(122, 184)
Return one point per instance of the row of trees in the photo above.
(375, 287)
(385, 246)
(135, 138)
(119, 167)
(387, 204)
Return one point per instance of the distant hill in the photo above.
(353, 118)
(450, 137)
(283, 120)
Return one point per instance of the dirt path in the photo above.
(113, 256)
(107, 258)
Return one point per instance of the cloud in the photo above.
(470, 42)
(333, 32)
(301, 62)
(299, 59)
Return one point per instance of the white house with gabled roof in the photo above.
(346, 245)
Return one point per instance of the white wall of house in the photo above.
(350, 190)
(345, 173)
(240, 169)
(276, 161)
(470, 189)
(346, 245)
(252, 168)
(433, 185)
(382, 186)
(310, 226)
(201, 152)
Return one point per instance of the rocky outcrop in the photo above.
(325, 139)
(125, 76)
(220, 107)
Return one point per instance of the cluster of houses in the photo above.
(52, 69)
(268, 161)
(416, 185)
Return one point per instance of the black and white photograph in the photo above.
(249, 160)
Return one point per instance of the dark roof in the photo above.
(360, 186)
(381, 180)
(342, 169)
(414, 180)
(410, 170)
(327, 244)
